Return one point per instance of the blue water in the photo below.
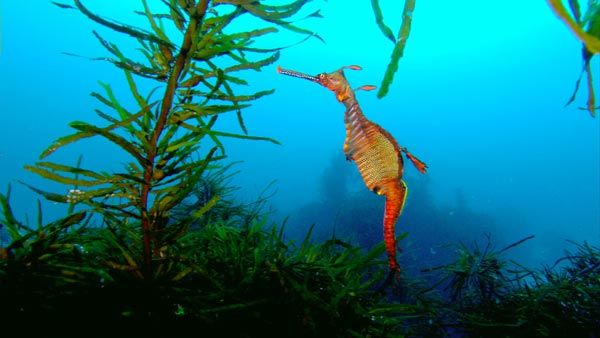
(479, 96)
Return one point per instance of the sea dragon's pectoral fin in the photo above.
(420, 165)
(394, 203)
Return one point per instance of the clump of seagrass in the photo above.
(488, 298)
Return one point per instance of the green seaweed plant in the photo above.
(586, 26)
(198, 79)
(548, 302)
(477, 275)
(399, 42)
(43, 262)
(487, 296)
(217, 182)
(227, 278)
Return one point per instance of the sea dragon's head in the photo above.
(334, 81)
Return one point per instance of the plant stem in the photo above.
(167, 102)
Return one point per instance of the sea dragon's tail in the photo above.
(395, 195)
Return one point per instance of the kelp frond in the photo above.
(399, 42)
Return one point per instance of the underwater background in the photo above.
(479, 96)
(195, 221)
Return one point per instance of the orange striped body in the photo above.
(380, 163)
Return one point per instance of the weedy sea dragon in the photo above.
(375, 152)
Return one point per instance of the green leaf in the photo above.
(206, 207)
(250, 34)
(241, 122)
(153, 24)
(136, 68)
(238, 110)
(180, 276)
(215, 88)
(241, 98)
(40, 216)
(134, 91)
(126, 252)
(13, 226)
(74, 170)
(123, 113)
(134, 32)
(118, 140)
(245, 137)
(47, 195)
(61, 5)
(388, 78)
(270, 50)
(72, 219)
(78, 136)
(306, 242)
(281, 11)
(208, 37)
(200, 111)
(62, 179)
(254, 65)
(62, 141)
(387, 32)
(176, 15)
(206, 128)
(175, 146)
(593, 24)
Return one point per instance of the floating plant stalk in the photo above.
(399, 44)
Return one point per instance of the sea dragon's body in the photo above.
(375, 152)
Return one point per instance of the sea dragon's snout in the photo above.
(297, 74)
(334, 81)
